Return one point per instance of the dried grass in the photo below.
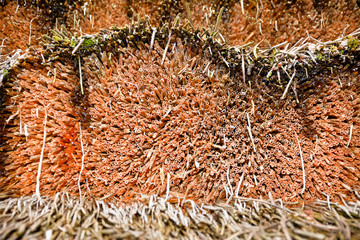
(154, 218)
(9, 61)
(176, 113)
(288, 21)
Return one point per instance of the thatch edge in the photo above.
(278, 65)
(66, 217)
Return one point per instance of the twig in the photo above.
(246, 45)
(54, 75)
(260, 27)
(242, 6)
(228, 180)
(302, 165)
(206, 68)
(166, 48)
(219, 19)
(218, 146)
(77, 46)
(302, 45)
(278, 74)
(288, 85)
(249, 129)
(227, 64)
(243, 65)
(278, 45)
(26, 133)
(30, 31)
(81, 79)
(340, 82)
(351, 130)
(272, 3)
(11, 117)
(264, 202)
(239, 184)
(293, 47)
(176, 21)
(92, 20)
(328, 200)
(37, 192)
(153, 38)
(285, 229)
(222, 37)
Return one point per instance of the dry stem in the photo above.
(77, 46)
(302, 165)
(288, 85)
(166, 48)
(41, 157)
(351, 130)
(249, 129)
(81, 79)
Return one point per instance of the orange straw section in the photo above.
(149, 127)
(181, 126)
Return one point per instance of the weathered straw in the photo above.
(65, 217)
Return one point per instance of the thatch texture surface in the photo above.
(155, 218)
(165, 105)
(172, 111)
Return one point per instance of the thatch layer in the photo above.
(175, 112)
(19, 28)
(162, 108)
(275, 22)
(64, 217)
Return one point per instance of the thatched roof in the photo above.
(163, 108)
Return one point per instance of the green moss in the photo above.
(333, 49)
(274, 52)
(353, 43)
(89, 44)
(57, 38)
(5, 73)
(73, 42)
(272, 60)
(320, 57)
